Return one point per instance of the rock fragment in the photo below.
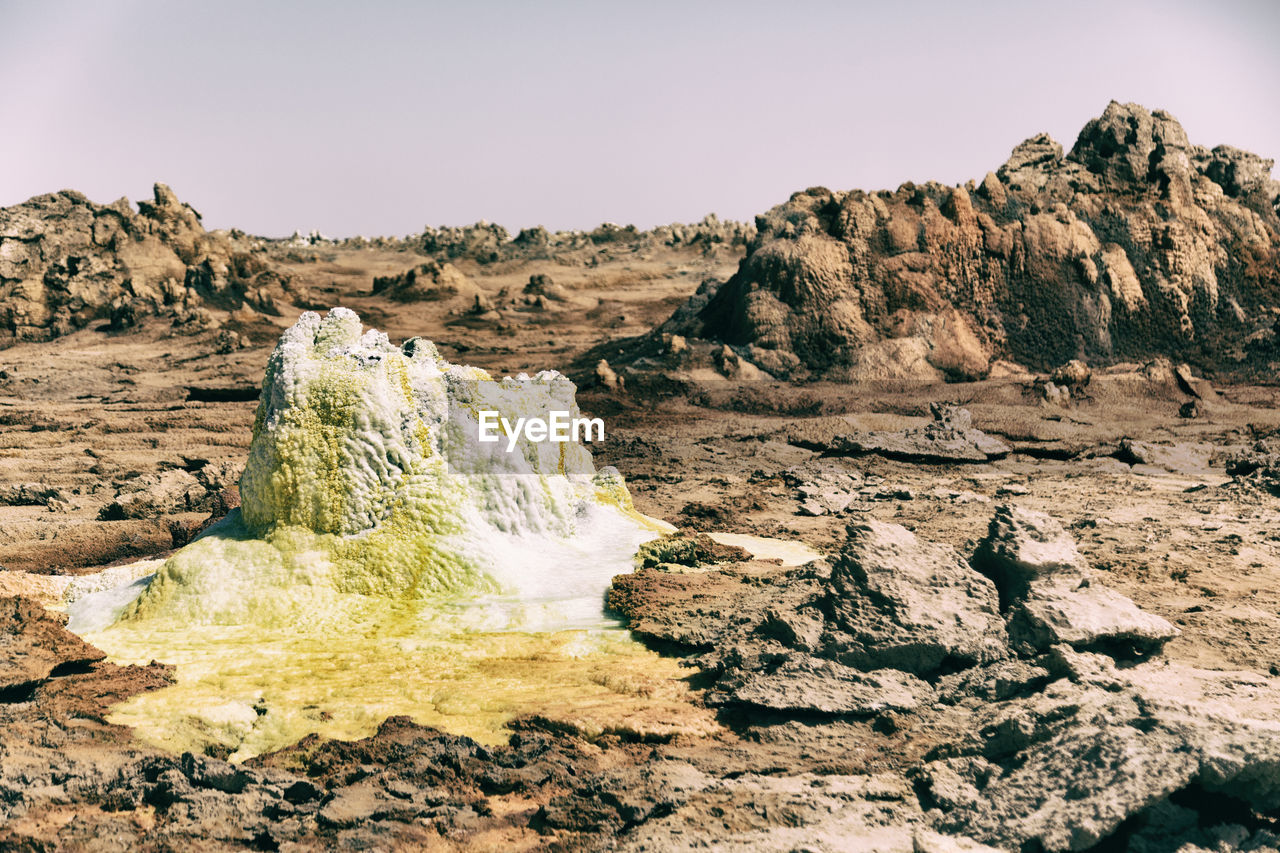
(34, 644)
(32, 494)
(823, 488)
(808, 684)
(1062, 770)
(950, 437)
(606, 376)
(176, 490)
(1051, 595)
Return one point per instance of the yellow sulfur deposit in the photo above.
(241, 693)
(384, 562)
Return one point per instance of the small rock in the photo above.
(1055, 395)
(227, 342)
(1074, 375)
(606, 376)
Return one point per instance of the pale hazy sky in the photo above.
(377, 117)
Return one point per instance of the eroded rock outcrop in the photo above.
(66, 262)
(1059, 739)
(427, 281)
(1135, 243)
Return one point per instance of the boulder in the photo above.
(1039, 152)
(911, 605)
(1075, 375)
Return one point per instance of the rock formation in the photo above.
(427, 281)
(911, 605)
(486, 242)
(1051, 594)
(950, 437)
(66, 262)
(365, 475)
(1136, 243)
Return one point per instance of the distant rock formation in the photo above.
(427, 281)
(66, 262)
(486, 242)
(1136, 243)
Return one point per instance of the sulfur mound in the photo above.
(384, 561)
(365, 479)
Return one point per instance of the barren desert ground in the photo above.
(971, 501)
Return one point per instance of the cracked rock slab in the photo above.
(804, 683)
(950, 437)
(1062, 770)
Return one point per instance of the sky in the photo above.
(378, 118)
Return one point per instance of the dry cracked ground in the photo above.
(1037, 626)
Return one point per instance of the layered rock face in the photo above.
(66, 262)
(1136, 243)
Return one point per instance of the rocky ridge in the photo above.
(1134, 244)
(486, 242)
(66, 262)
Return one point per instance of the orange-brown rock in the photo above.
(1135, 244)
(66, 262)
